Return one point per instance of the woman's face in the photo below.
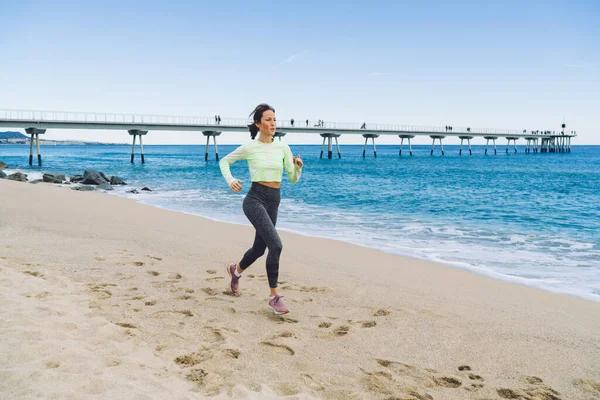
(267, 123)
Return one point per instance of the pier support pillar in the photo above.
(514, 140)
(492, 138)
(438, 137)
(214, 135)
(371, 136)
(134, 133)
(330, 136)
(468, 139)
(279, 135)
(35, 135)
(402, 137)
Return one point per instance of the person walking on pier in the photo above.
(292, 121)
(266, 161)
(307, 123)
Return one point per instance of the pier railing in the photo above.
(317, 126)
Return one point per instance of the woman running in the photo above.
(266, 160)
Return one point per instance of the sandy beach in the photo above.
(102, 297)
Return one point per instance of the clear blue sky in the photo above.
(509, 64)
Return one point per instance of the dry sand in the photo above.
(102, 297)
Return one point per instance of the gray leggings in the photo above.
(260, 206)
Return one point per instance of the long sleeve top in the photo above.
(265, 162)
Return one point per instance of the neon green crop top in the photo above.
(265, 162)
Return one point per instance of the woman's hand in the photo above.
(298, 161)
(236, 185)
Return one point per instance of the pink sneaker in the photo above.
(235, 281)
(278, 306)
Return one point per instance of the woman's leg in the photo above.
(263, 218)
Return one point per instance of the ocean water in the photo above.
(533, 219)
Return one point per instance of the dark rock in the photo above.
(76, 178)
(134, 191)
(145, 189)
(54, 178)
(2, 165)
(105, 186)
(18, 176)
(83, 188)
(115, 180)
(36, 181)
(91, 177)
(2, 175)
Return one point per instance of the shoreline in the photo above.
(481, 271)
(108, 296)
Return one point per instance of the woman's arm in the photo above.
(236, 155)
(293, 170)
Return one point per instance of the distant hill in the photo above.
(12, 135)
(19, 138)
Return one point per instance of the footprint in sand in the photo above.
(185, 297)
(464, 368)
(214, 278)
(126, 325)
(369, 324)
(447, 381)
(285, 334)
(211, 271)
(474, 387)
(174, 275)
(307, 289)
(151, 303)
(324, 324)
(52, 364)
(155, 258)
(233, 353)
(138, 263)
(101, 292)
(210, 291)
(381, 313)
(278, 318)
(286, 349)
(191, 359)
(154, 273)
(33, 273)
(100, 259)
(341, 331)
(475, 377)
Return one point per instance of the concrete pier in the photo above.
(438, 137)
(492, 138)
(134, 133)
(214, 135)
(330, 136)
(532, 145)
(546, 140)
(514, 140)
(371, 136)
(35, 133)
(468, 139)
(402, 137)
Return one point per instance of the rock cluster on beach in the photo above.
(90, 180)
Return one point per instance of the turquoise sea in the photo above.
(533, 219)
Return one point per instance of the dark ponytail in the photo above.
(256, 117)
(253, 130)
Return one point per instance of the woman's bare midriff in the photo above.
(274, 185)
